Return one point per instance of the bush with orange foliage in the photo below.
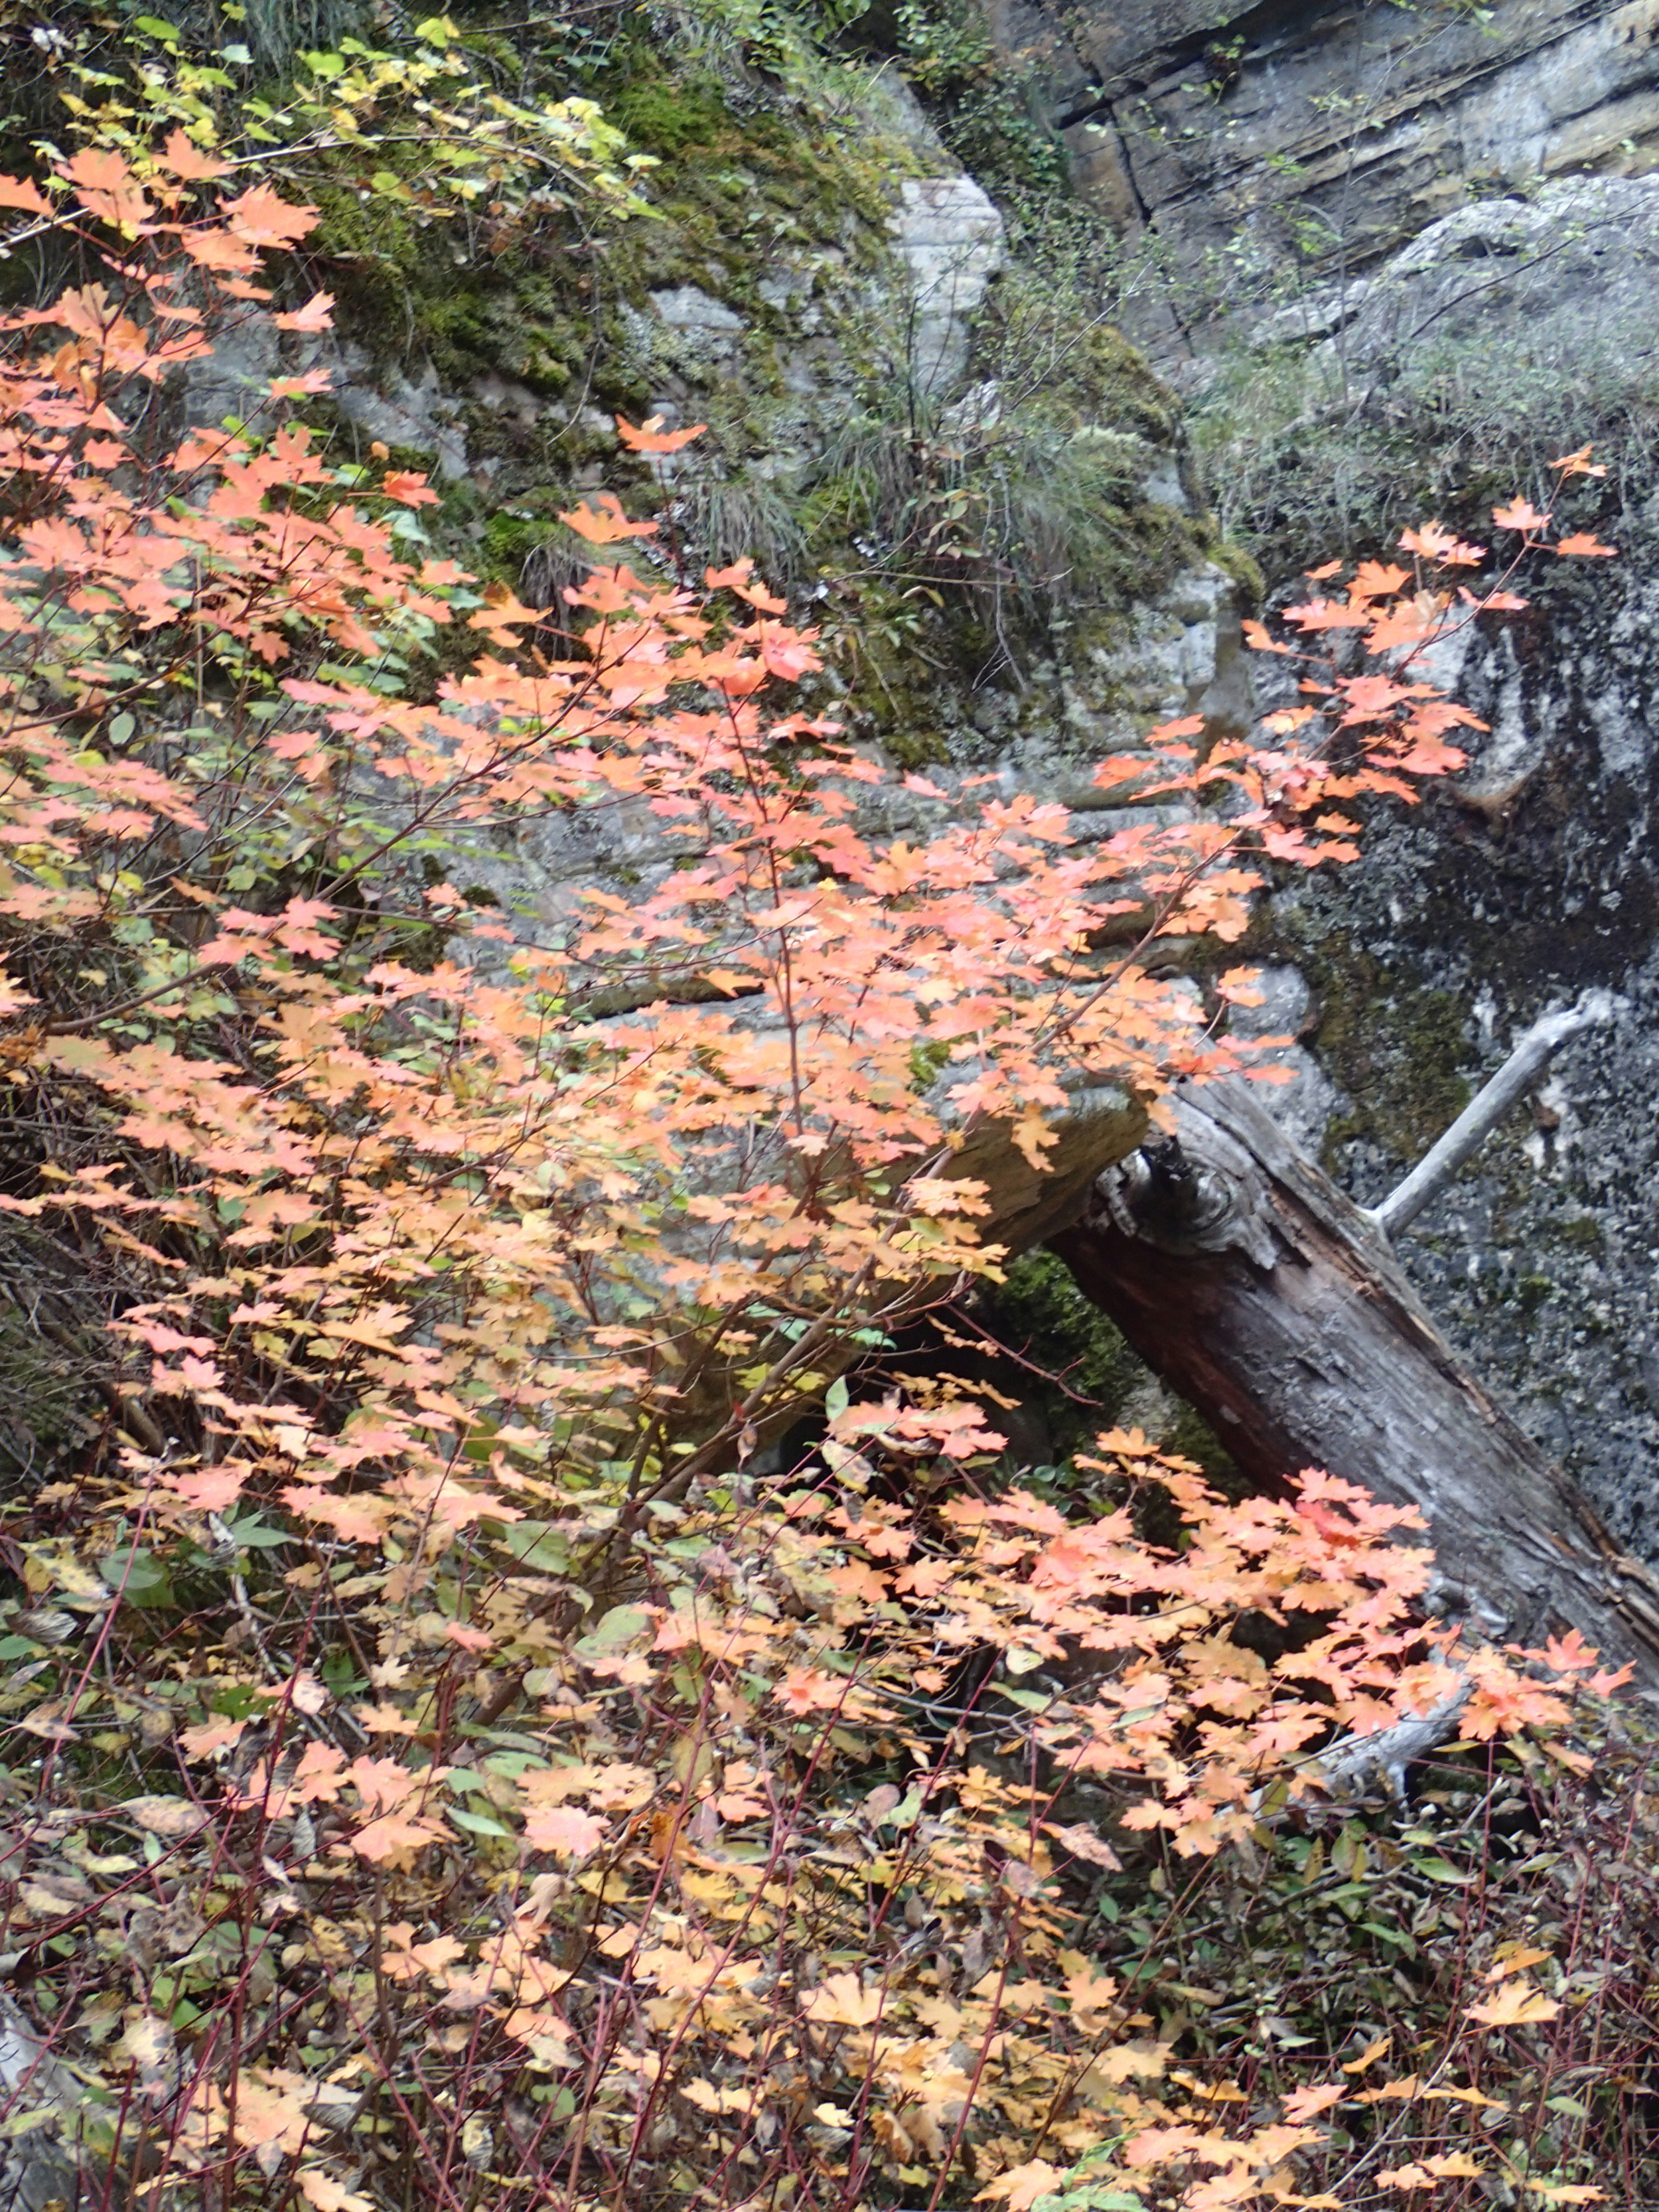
(461, 1772)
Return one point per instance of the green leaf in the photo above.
(618, 1627)
(258, 1536)
(539, 1545)
(477, 1824)
(343, 1680)
(1397, 1937)
(835, 1397)
(1088, 2199)
(1033, 1701)
(154, 27)
(1442, 1870)
(138, 1576)
(23, 2124)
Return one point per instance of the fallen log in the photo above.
(1275, 1306)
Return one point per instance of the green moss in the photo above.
(733, 188)
(1039, 1312)
(1101, 377)
(1398, 1051)
(990, 556)
(508, 540)
(668, 115)
(1244, 570)
(1585, 1234)
(735, 183)
(1192, 1437)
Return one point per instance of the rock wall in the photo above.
(1435, 232)
(810, 265)
(1265, 147)
(1529, 877)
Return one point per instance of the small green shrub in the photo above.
(721, 520)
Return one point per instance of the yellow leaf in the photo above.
(1468, 2097)
(1406, 2087)
(1130, 2061)
(1514, 2006)
(1514, 1959)
(844, 2000)
(148, 2042)
(328, 2195)
(172, 1817)
(1367, 2056)
(1021, 2186)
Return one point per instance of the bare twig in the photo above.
(1488, 1106)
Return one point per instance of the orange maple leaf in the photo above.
(1020, 2187)
(411, 489)
(603, 522)
(186, 160)
(1582, 544)
(107, 189)
(18, 193)
(650, 437)
(262, 218)
(565, 1829)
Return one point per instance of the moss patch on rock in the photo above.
(1397, 1048)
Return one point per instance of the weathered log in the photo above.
(1275, 1307)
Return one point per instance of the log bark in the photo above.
(1275, 1307)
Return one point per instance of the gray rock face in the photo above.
(1529, 876)
(1408, 196)
(1532, 875)
(401, 410)
(1568, 276)
(1327, 135)
(949, 236)
(1299, 1095)
(1177, 656)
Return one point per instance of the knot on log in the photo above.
(1203, 1195)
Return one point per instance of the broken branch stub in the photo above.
(1488, 1106)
